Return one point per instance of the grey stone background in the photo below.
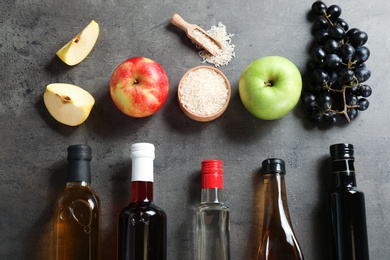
(33, 145)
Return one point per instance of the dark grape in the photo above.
(365, 90)
(346, 52)
(363, 104)
(324, 100)
(331, 46)
(320, 76)
(358, 39)
(320, 24)
(309, 99)
(355, 89)
(361, 54)
(362, 74)
(316, 116)
(351, 99)
(352, 113)
(318, 8)
(318, 54)
(336, 32)
(330, 117)
(334, 12)
(333, 60)
(321, 36)
(333, 77)
(343, 24)
(350, 32)
(346, 75)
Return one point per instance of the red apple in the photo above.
(139, 87)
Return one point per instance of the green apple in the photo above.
(270, 87)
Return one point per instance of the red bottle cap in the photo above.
(212, 174)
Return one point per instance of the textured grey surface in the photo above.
(33, 145)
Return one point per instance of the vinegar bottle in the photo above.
(347, 211)
(142, 226)
(212, 216)
(77, 211)
(278, 239)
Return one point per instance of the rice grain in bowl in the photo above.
(204, 93)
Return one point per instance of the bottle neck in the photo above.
(141, 191)
(275, 197)
(79, 170)
(211, 195)
(343, 172)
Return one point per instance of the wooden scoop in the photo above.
(198, 35)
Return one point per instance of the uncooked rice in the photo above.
(203, 92)
(227, 53)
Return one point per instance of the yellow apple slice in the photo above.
(67, 103)
(77, 49)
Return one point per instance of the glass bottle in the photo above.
(77, 211)
(142, 226)
(347, 213)
(278, 238)
(212, 216)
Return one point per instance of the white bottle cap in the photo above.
(142, 155)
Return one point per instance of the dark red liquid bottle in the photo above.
(142, 226)
(347, 213)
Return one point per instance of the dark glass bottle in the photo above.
(347, 211)
(212, 215)
(142, 226)
(77, 211)
(278, 239)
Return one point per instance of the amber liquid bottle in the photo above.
(212, 216)
(278, 239)
(142, 226)
(347, 213)
(77, 211)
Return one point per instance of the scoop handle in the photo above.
(179, 22)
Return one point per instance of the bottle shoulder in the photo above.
(212, 206)
(79, 192)
(348, 190)
(147, 207)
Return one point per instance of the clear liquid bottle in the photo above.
(212, 216)
(142, 226)
(279, 241)
(77, 211)
(347, 213)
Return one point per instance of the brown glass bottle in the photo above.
(142, 226)
(278, 239)
(347, 213)
(77, 211)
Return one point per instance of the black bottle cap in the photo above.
(341, 151)
(273, 165)
(79, 152)
(79, 157)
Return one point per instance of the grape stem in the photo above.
(345, 106)
(327, 18)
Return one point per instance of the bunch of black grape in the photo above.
(336, 89)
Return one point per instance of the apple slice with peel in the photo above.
(67, 103)
(77, 49)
